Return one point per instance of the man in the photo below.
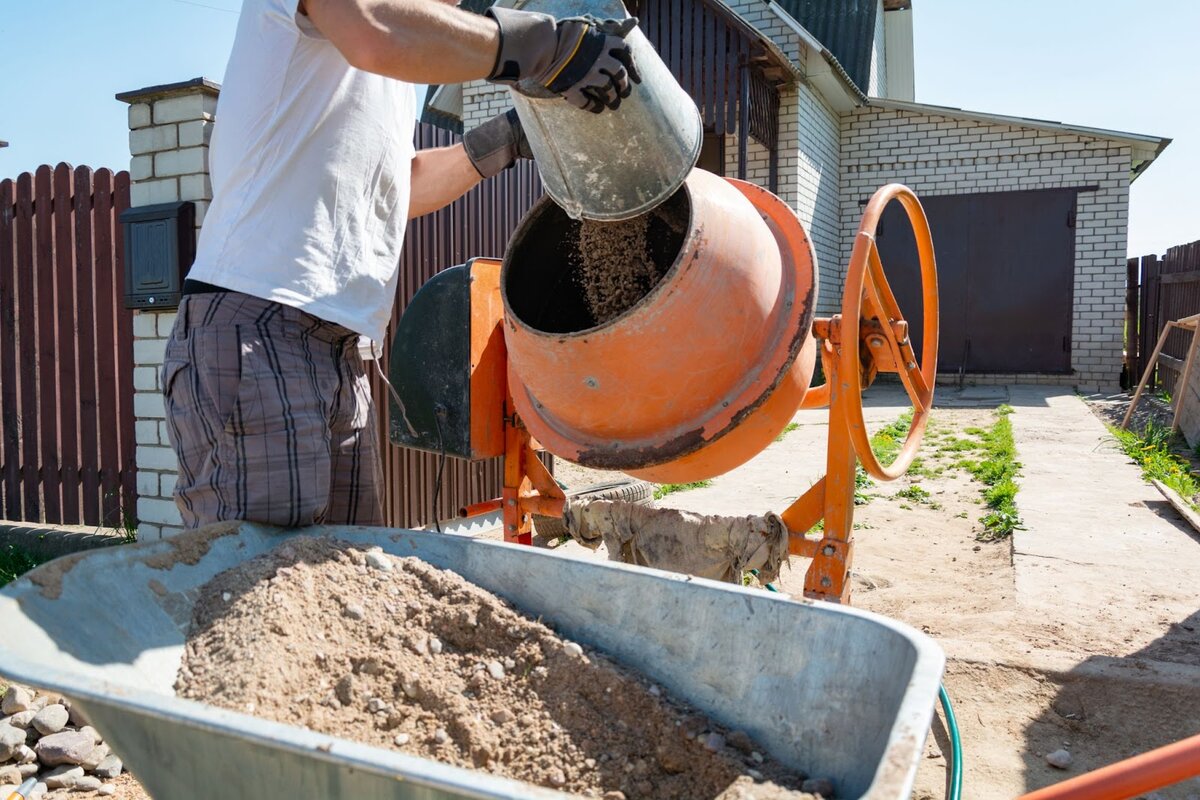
(314, 177)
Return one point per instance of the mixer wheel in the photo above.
(624, 490)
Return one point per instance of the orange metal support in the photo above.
(529, 488)
(869, 336)
(1130, 778)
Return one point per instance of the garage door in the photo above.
(1006, 276)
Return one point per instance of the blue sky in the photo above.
(1103, 63)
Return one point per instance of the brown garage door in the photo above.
(1006, 277)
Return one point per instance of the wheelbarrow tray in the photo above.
(830, 690)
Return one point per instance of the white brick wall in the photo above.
(168, 142)
(939, 155)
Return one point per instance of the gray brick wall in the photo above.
(938, 155)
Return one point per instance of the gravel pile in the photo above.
(42, 735)
(398, 654)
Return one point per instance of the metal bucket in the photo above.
(618, 164)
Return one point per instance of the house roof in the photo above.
(1145, 148)
(846, 28)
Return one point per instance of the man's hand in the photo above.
(585, 60)
(496, 145)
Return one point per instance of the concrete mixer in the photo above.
(696, 377)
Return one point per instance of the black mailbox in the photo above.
(160, 243)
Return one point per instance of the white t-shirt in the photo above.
(310, 160)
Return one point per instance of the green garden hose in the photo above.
(955, 745)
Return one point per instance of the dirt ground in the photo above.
(920, 562)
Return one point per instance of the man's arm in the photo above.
(586, 61)
(442, 175)
(439, 177)
(418, 41)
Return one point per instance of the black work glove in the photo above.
(584, 59)
(496, 145)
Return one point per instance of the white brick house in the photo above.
(847, 124)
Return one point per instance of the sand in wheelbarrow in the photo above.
(396, 653)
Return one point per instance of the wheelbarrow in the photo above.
(827, 689)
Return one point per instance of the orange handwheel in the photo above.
(866, 283)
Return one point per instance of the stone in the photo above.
(10, 774)
(401, 739)
(109, 768)
(66, 747)
(821, 786)
(22, 719)
(345, 690)
(354, 611)
(51, 719)
(756, 757)
(77, 716)
(28, 770)
(107, 790)
(713, 742)
(558, 777)
(379, 561)
(496, 670)
(740, 741)
(1059, 759)
(38, 790)
(40, 701)
(435, 645)
(88, 783)
(502, 717)
(6, 789)
(92, 732)
(64, 777)
(10, 739)
(24, 754)
(571, 648)
(15, 700)
(440, 736)
(96, 757)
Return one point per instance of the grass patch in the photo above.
(15, 562)
(1151, 449)
(791, 426)
(913, 492)
(997, 470)
(671, 488)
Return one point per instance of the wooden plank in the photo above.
(10, 413)
(1137, 395)
(127, 440)
(10, 416)
(1181, 393)
(1132, 340)
(1170, 362)
(89, 344)
(31, 507)
(1181, 505)
(1188, 276)
(66, 305)
(43, 221)
(108, 392)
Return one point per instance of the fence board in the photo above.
(1167, 288)
(128, 441)
(10, 417)
(108, 391)
(27, 326)
(85, 304)
(66, 306)
(43, 181)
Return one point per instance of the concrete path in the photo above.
(1099, 543)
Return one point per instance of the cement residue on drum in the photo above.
(617, 263)
(396, 653)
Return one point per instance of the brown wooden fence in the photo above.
(66, 371)
(477, 225)
(1160, 289)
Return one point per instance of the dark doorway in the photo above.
(712, 154)
(1006, 263)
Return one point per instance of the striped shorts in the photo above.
(269, 412)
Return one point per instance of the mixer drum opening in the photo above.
(565, 276)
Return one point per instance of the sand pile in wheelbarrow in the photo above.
(396, 653)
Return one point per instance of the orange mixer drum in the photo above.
(702, 372)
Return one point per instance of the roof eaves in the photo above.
(1146, 148)
(778, 57)
(842, 92)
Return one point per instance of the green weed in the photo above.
(791, 426)
(672, 488)
(15, 562)
(914, 492)
(1151, 450)
(998, 470)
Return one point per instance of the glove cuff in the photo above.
(495, 145)
(528, 41)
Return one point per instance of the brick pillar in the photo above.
(169, 131)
